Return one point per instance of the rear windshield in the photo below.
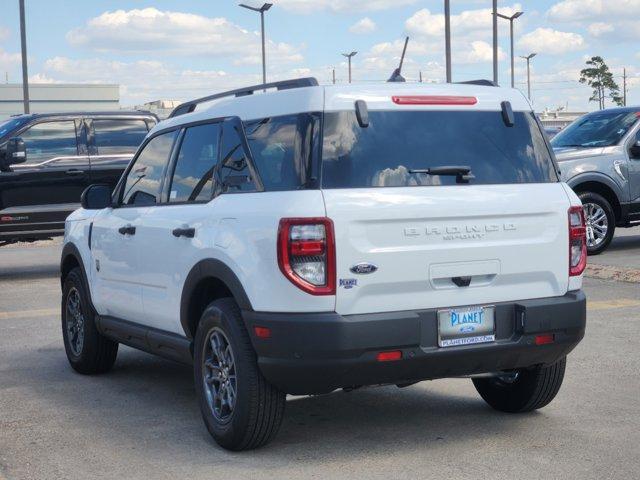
(601, 129)
(398, 142)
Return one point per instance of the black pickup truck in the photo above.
(47, 160)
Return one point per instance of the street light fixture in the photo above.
(349, 57)
(261, 10)
(511, 19)
(528, 59)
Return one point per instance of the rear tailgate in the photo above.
(510, 242)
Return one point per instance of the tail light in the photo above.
(307, 254)
(577, 241)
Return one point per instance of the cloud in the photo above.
(580, 10)
(469, 23)
(9, 60)
(364, 26)
(4, 33)
(551, 42)
(339, 6)
(599, 29)
(151, 30)
(480, 52)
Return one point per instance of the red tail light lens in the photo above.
(577, 241)
(306, 254)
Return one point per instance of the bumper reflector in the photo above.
(389, 356)
(544, 339)
(262, 332)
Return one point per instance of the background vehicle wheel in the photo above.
(87, 350)
(601, 222)
(240, 408)
(524, 390)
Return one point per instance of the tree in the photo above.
(598, 76)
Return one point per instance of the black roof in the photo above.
(119, 113)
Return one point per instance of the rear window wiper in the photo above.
(462, 173)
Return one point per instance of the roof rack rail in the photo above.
(483, 82)
(190, 106)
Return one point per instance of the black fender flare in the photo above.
(599, 178)
(216, 269)
(70, 250)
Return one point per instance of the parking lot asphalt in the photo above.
(142, 419)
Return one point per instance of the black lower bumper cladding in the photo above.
(311, 353)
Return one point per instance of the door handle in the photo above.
(184, 232)
(127, 230)
(74, 171)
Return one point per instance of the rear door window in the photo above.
(192, 179)
(144, 180)
(114, 136)
(397, 143)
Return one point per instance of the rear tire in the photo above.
(601, 222)
(525, 390)
(87, 350)
(241, 410)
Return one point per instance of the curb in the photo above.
(619, 274)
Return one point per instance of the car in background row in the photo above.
(47, 160)
(599, 157)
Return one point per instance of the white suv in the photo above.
(314, 238)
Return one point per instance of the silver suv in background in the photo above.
(599, 157)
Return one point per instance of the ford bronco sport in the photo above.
(315, 238)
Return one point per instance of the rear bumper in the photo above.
(311, 353)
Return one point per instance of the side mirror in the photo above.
(96, 197)
(15, 152)
(634, 151)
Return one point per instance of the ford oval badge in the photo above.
(363, 268)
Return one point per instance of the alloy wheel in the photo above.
(219, 376)
(597, 224)
(75, 322)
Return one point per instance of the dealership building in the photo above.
(59, 97)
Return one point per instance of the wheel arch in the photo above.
(70, 259)
(208, 280)
(602, 185)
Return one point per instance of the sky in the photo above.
(182, 49)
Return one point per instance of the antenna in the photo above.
(396, 76)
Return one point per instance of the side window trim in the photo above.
(119, 191)
(173, 160)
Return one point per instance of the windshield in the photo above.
(600, 129)
(397, 144)
(8, 125)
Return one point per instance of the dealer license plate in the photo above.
(466, 326)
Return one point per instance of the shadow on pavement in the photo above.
(150, 401)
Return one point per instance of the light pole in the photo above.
(349, 57)
(261, 10)
(528, 59)
(447, 37)
(495, 41)
(511, 19)
(25, 74)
